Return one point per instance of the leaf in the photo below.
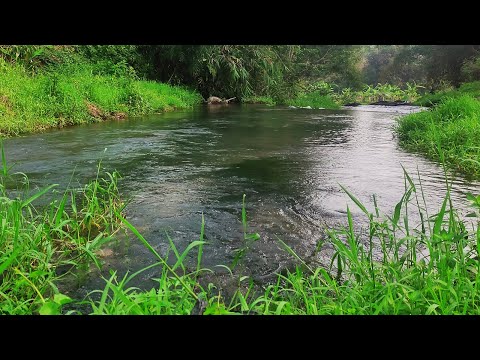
(37, 273)
(186, 251)
(291, 252)
(7, 262)
(61, 299)
(200, 247)
(409, 179)
(356, 201)
(175, 251)
(472, 214)
(254, 236)
(49, 308)
(471, 197)
(438, 221)
(431, 308)
(4, 161)
(396, 213)
(216, 309)
(37, 195)
(37, 52)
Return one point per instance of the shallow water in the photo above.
(289, 163)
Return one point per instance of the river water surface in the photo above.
(289, 163)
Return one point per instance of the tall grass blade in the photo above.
(4, 160)
(10, 259)
(200, 247)
(37, 195)
(356, 201)
(291, 252)
(439, 219)
(154, 252)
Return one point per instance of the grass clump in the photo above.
(314, 100)
(37, 241)
(450, 131)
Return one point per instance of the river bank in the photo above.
(73, 94)
(449, 132)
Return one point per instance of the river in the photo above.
(290, 163)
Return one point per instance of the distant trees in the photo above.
(223, 70)
(427, 64)
(338, 64)
(277, 71)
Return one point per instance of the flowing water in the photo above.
(289, 163)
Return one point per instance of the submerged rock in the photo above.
(391, 103)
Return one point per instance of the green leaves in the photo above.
(54, 306)
(37, 195)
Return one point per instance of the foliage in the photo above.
(450, 131)
(314, 100)
(380, 92)
(429, 65)
(223, 70)
(337, 64)
(37, 240)
(471, 69)
(447, 91)
(77, 93)
(428, 269)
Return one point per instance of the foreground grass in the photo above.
(398, 280)
(449, 132)
(395, 278)
(77, 93)
(35, 244)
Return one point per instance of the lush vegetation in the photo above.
(59, 85)
(76, 93)
(314, 100)
(441, 279)
(449, 132)
(469, 88)
(39, 242)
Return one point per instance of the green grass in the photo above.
(36, 240)
(471, 88)
(63, 94)
(450, 131)
(314, 100)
